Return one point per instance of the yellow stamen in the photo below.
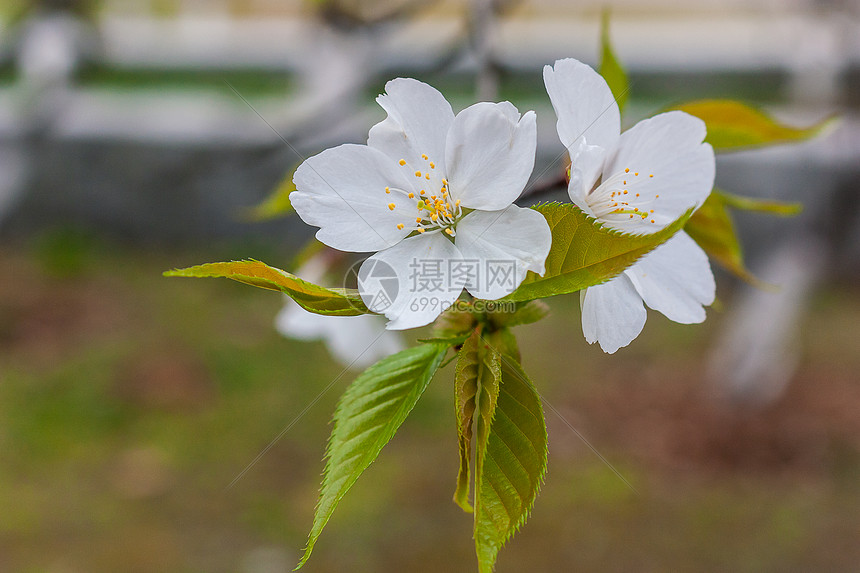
(449, 231)
(420, 230)
(402, 162)
(391, 206)
(400, 225)
(432, 165)
(411, 195)
(424, 157)
(626, 171)
(417, 174)
(427, 177)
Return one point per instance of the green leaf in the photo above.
(712, 228)
(525, 313)
(277, 204)
(777, 208)
(510, 463)
(311, 297)
(610, 67)
(367, 417)
(585, 253)
(733, 125)
(476, 386)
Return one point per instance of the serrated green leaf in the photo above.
(610, 67)
(510, 467)
(525, 313)
(367, 417)
(311, 297)
(277, 204)
(733, 125)
(584, 253)
(778, 208)
(476, 383)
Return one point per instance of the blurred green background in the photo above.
(129, 402)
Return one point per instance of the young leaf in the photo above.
(367, 417)
(277, 204)
(610, 67)
(311, 297)
(712, 228)
(510, 463)
(585, 253)
(777, 208)
(525, 313)
(476, 383)
(733, 125)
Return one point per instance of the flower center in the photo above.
(428, 209)
(614, 201)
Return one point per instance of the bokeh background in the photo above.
(138, 135)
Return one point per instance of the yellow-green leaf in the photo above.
(712, 228)
(610, 67)
(771, 207)
(733, 125)
(585, 253)
(277, 204)
(311, 297)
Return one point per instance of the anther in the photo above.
(417, 174)
(432, 165)
(424, 157)
(402, 162)
(400, 226)
(627, 171)
(391, 206)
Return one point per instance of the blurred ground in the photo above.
(129, 402)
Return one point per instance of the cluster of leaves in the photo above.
(499, 417)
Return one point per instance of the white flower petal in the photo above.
(665, 157)
(490, 155)
(295, 322)
(612, 313)
(588, 117)
(423, 285)
(584, 172)
(504, 244)
(675, 279)
(342, 191)
(417, 124)
(356, 341)
(359, 341)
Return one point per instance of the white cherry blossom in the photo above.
(430, 191)
(636, 182)
(355, 341)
